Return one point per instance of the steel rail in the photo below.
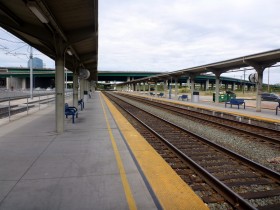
(230, 195)
(211, 121)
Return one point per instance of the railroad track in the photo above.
(254, 133)
(244, 184)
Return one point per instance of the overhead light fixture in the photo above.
(69, 52)
(33, 6)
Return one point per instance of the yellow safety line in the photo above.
(127, 190)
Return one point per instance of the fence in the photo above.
(16, 104)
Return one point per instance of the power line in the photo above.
(17, 42)
(10, 35)
(3, 47)
(16, 49)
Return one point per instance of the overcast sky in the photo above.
(165, 35)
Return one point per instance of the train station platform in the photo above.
(100, 162)
(267, 116)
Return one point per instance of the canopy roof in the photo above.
(42, 23)
(259, 60)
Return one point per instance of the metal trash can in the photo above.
(195, 96)
(85, 96)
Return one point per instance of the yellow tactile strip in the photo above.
(127, 190)
(171, 191)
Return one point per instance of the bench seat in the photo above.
(71, 110)
(160, 94)
(235, 101)
(183, 97)
(152, 94)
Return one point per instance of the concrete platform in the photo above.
(78, 169)
(267, 114)
(94, 164)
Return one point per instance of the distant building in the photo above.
(36, 63)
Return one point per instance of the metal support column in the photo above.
(217, 87)
(192, 86)
(259, 89)
(82, 88)
(75, 89)
(170, 89)
(165, 88)
(59, 92)
(176, 87)
(156, 88)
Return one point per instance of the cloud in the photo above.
(164, 35)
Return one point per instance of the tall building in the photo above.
(36, 63)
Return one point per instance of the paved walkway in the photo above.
(78, 169)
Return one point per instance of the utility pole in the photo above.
(31, 73)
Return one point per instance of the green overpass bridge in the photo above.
(19, 78)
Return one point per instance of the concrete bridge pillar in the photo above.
(23, 84)
(233, 86)
(207, 85)
(188, 82)
(144, 87)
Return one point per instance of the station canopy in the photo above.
(45, 23)
(263, 60)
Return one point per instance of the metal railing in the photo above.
(16, 104)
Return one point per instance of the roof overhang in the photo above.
(38, 22)
(263, 60)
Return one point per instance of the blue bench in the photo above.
(277, 107)
(235, 101)
(81, 103)
(71, 110)
(152, 94)
(183, 97)
(160, 94)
